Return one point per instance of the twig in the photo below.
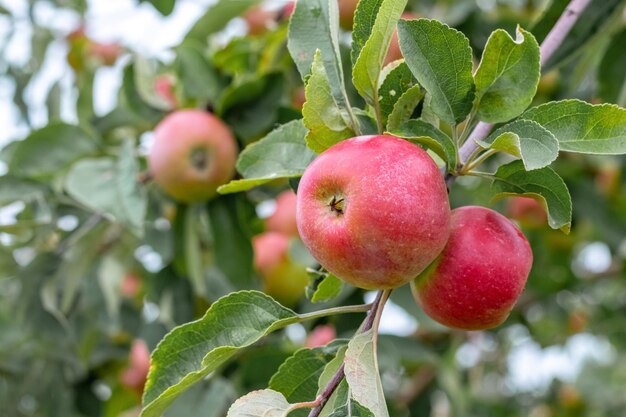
(322, 399)
(549, 45)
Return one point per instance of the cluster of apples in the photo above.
(374, 211)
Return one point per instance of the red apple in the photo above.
(478, 277)
(527, 211)
(138, 366)
(288, 10)
(131, 285)
(260, 20)
(105, 53)
(373, 210)
(164, 87)
(193, 153)
(283, 279)
(346, 13)
(283, 220)
(320, 336)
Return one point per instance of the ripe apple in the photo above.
(373, 210)
(193, 153)
(164, 87)
(131, 285)
(138, 366)
(283, 220)
(321, 335)
(527, 211)
(346, 13)
(478, 277)
(260, 20)
(283, 279)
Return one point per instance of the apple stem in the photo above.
(550, 44)
(369, 321)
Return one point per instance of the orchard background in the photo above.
(98, 264)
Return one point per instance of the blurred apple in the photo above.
(283, 220)
(131, 284)
(138, 366)
(320, 336)
(527, 211)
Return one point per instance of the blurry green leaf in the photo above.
(14, 189)
(327, 289)
(134, 101)
(441, 59)
(53, 103)
(231, 239)
(507, 77)
(366, 71)
(425, 134)
(192, 351)
(611, 73)
(314, 25)
(217, 16)
(544, 185)
(165, 7)
(398, 81)
(583, 127)
(405, 106)
(281, 154)
(49, 150)
(535, 145)
(110, 187)
(262, 403)
(8, 266)
(145, 76)
(212, 397)
(194, 265)
(199, 77)
(322, 116)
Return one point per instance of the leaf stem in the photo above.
(474, 162)
(550, 44)
(370, 319)
(361, 308)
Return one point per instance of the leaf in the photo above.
(544, 185)
(199, 77)
(192, 351)
(405, 106)
(231, 240)
(110, 187)
(314, 25)
(262, 403)
(366, 71)
(217, 16)
(321, 114)
(212, 397)
(361, 366)
(340, 396)
(508, 75)
(49, 150)
(354, 409)
(327, 289)
(192, 248)
(14, 189)
(441, 59)
(582, 127)
(281, 154)
(364, 19)
(145, 75)
(528, 140)
(425, 134)
(611, 74)
(398, 81)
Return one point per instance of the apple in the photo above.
(131, 285)
(138, 366)
(394, 53)
(298, 98)
(164, 87)
(320, 336)
(283, 220)
(527, 211)
(478, 277)
(260, 20)
(193, 153)
(346, 13)
(105, 53)
(288, 10)
(283, 279)
(373, 210)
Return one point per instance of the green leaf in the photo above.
(217, 16)
(145, 75)
(327, 289)
(49, 150)
(366, 71)
(14, 189)
(199, 77)
(314, 25)
(165, 7)
(364, 19)
(508, 75)
(425, 134)
(262, 403)
(192, 248)
(213, 397)
(340, 396)
(231, 239)
(110, 187)
(281, 154)
(354, 409)
(582, 127)
(398, 81)
(192, 351)
(321, 114)
(361, 367)
(543, 184)
(441, 59)
(611, 74)
(528, 140)
(405, 106)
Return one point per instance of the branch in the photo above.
(322, 399)
(549, 45)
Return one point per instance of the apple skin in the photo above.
(478, 277)
(390, 217)
(139, 364)
(346, 13)
(283, 220)
(164, 86)
(527, 211)
(320, 336)
(260, 20)
(283, 279)
(194, 153)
